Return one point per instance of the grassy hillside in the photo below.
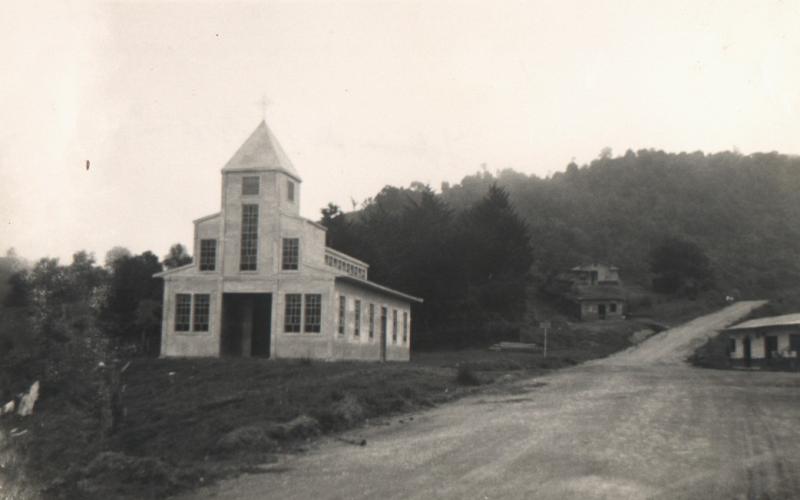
(184, 423)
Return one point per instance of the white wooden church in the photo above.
(263, 283)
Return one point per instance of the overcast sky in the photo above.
(363, 94)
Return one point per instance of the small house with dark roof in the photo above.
(765, 341)
(591, 292)
(263, 282)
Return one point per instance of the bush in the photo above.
(248, 438)
(346, 411)
(109, 472)
(466, 376)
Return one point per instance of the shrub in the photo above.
(300, 427)
(466, 376)
(109, 472)
(241, 439)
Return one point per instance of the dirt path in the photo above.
(640, 424)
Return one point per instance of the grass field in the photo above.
(185, 422)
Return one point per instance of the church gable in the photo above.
(262, 151)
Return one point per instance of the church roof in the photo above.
(377, 288)
(261, 151)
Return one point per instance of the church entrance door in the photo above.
(246, 319)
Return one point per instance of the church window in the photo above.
(384, 314)
(290, 190)
(394, 326)
(357, 319)
(201, 311)
(208, 255)
(291, 320)
(249, 250)
(250, 185)
(183, 311)
(342, 309)
(313, 322)
(371, 320)
(291, 254)
(405, 326)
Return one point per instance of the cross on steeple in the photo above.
(264, 102)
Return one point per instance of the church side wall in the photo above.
(314, 241)
(302, 345)
(362, 347)
(207, 229)
(191, 343)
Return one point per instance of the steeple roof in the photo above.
(261, 151)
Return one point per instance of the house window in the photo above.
(249, 251)
(770, 346)
(371, 320)
(291, 317)
(250, 185)
(794, 342)
(405, 326)
(201, 311)
(612, 307)
(291, 254)
(342, 308)
(731, 345)
(208, 255)
(313, 313)
(357, 319)
(394, 326)
(183, 312)
(290, 190)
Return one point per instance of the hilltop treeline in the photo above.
(741, 212)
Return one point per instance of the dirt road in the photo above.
(641, 424)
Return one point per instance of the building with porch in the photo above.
(765, 341)
(590, 292)
(263, 283)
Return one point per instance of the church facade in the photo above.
(263, 282)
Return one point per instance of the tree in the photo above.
(498, 254)
(114, 254)
(132, 306)
(177, 257)
(49, 330)
(680, 265)
(340, 232)
(85, 278)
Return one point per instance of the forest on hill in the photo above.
(471, 249)
(742, 211)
